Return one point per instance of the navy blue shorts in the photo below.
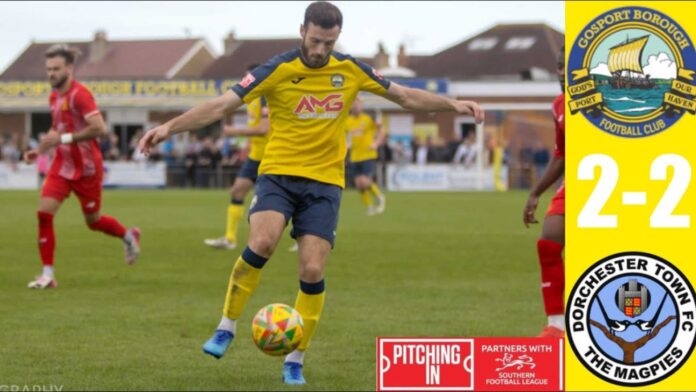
(312, 205)
(363, 168)
(250, 169)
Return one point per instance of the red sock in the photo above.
(110, 226)
(552, 275)
(47, 238)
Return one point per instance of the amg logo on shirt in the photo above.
(313, 107)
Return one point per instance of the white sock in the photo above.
(295, 356)
(228, 324)
(128, 237)
(48, 271)
(558, 321)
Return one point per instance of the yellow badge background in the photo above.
(634, 157)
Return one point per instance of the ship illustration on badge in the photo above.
(632, 72)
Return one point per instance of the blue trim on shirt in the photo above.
(364, 67)
(262, 72)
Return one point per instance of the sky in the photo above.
(424, 27)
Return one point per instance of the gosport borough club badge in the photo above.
(631, 319)
(632, 72)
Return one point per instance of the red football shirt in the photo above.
(558, 110)
(69, 113)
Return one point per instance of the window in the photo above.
(519, 43)
(483, 43)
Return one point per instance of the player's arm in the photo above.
(381, 136)
(421, 100)
(195, 118)
(554, 171)
(95, 127)
(259, 130)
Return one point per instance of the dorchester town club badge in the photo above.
(631, 72)
(631, 319)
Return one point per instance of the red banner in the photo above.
(482, 364)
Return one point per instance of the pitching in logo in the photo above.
(632, 72)
(631, 319)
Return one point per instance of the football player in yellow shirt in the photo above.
(363, 155)
(257, 128)
(309, 91)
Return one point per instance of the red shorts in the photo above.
(88, 190)
(557, 206)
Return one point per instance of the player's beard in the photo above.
(58, 83)
(315, 61)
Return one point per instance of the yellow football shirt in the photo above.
(256, 111)
(308, 112)
(362, 140)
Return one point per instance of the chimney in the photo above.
(381, 58)
(229, 43)
(402, 58)
(98, 47)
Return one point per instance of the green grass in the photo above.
(435, 264)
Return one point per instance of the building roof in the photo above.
(133, 59)
(505, 51)
(240, 53)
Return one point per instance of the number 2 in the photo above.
(589, 216)
(662, 216)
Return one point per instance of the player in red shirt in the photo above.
(550, 246)
(77, 162)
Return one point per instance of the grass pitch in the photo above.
(435, 264)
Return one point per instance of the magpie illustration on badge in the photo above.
(631, 319)
(632, 72)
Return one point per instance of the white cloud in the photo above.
(660, 67)
(601, 69)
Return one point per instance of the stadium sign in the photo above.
(125, 88)
(165, 88)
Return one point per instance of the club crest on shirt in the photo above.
(631, 72)
(337, 80)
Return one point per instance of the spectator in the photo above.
(167, 151)
(463, 151)
(10, 152)
(422, 151)
(190, 160)
(209, 155)
(541, 159)
(133, 143)
(114, 152)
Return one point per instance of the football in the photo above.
(277, 329)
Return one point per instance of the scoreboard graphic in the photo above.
(630, 148)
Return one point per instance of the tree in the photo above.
(629, 348)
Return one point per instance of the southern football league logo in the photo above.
(632, 319)
(631, 72)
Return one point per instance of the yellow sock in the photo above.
(374, 189)
(234, 213)
(243, 281)
(310, 307)
(366, 199)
